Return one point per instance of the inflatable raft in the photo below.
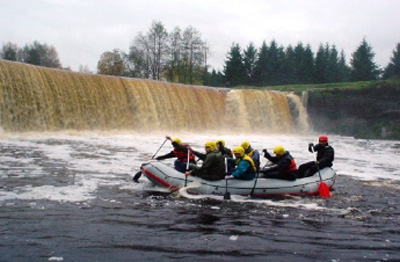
(165, 176)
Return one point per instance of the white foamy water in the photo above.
(71, 167)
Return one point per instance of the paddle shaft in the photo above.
(159, 148)
(316, 165)
(139, 174)
(227, 194)
(187, 165)
(255, 183)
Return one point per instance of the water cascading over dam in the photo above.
(41, 99)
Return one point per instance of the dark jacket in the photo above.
(325, 154)
(284, 166)
(213, 167)
(284, 163)
(179, 152)
(226, 152)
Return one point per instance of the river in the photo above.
(69, 196)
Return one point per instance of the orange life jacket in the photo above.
(182, 155)
(292, 167)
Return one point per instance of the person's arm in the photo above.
(169, 155)
(327, 157)
(201, 156)
(240, 169)
(267, 155)
(207, 163)
(282, 164)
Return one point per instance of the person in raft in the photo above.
(245, 167)
(213, 167)
(325, 157)
(251, 152)
(181, 153)
(284, 166)
(225, 151)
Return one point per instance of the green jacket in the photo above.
(213, 167)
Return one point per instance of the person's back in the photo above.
(325, 155)
(213, 167)
(251, 152)
(246, 169)
(180, 151)
(225, 151)
(284, 165)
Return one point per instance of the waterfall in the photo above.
(42, 99)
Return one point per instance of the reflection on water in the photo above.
(70, 197)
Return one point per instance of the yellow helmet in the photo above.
(239, 150)
(177, 141)
(245, 145)
(220, 141)
(279, 150)
(211, 145)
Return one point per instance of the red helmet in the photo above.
(323, 139)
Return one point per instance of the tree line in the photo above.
(275, 65)
(182, 56)
(35, 54)
(178, 56)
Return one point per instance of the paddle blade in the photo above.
(323, 190)
(227, 196)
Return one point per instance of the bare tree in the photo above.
(139, 57)
(193, 51)
(84, 69)
(178, 56)
(174, 55)
(158, 45)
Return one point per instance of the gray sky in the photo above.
(81, 30)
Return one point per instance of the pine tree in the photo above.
(289, 71)
(303, 64)
(9, 51)
(363, 67)
(333, 65)
(250, 57)
(393, 68)
(307, 65)
(321, 64)
(275, 66)
(234, 69)
(261, 66)
(344, 69)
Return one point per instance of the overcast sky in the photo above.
(81, 30)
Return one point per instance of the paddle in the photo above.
(159, 148)
(138, 174)
(255, 183)
(323, 188)
(227, 194)
(187, 165)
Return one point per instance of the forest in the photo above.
(182, 56)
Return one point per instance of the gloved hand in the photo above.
(157, 158)
(311, 147)
(228, 177)
(265, 152)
